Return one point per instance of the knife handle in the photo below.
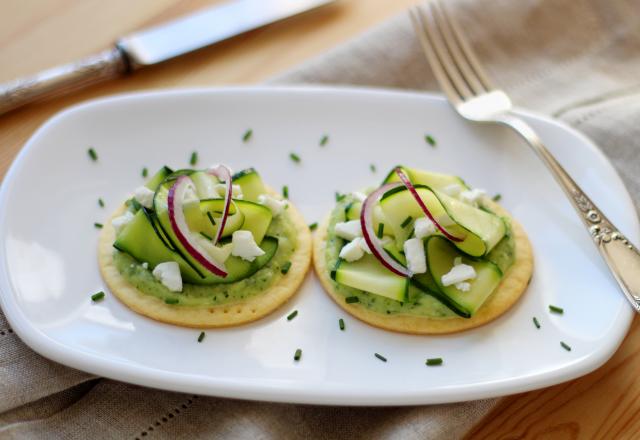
(61, 80)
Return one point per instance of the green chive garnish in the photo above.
(101, 203)
(323, 140)
(297, 355)
(380, 230)
(432, 362)
(247, 135)
(98, 225)
(201, 337)
(171, 301)
(292, 315)
(372, 167)
(145, 172)
(379, 356)
(341, 323)
(294, 157)
(92, 154)
(194, 158)
(430, 140)
(340, 197)
(285, 267)
(285, 192)
(535, 322)
(351, 299)
(406, 222)
(556, 309)
(313, 226)
(497, 197)
(97, 296)
(213, 222)
(565, 346)
(206, 236)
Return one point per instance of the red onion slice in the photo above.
(366, 222)
(406, 182)
(223, 173)
(181, 229)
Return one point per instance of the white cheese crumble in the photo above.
(145, 265)
(472, 196)
(221, 188)
(452, 190)
(458, 274)
(364, 245)
(244, 246)
(463, 286)
(276, 206)
(120, 222)
(144, 196)
(352, 251)
(424, 227)
(348, 230)
(414, 252)
(169, 275)
(359, 196)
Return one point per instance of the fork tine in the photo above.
(467, 51)
(437, 66)
(454, 48)
(432, 58)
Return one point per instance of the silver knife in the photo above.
(153, 46)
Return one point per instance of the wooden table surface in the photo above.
(35, 34)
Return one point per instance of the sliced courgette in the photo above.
(251, 184)
(367, 274)
(419, 177)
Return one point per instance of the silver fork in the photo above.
(470, 92)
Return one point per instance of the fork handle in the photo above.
(620, 254)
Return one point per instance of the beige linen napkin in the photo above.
(578, 60)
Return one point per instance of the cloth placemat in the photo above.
(577, 60)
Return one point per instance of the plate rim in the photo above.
(281, 390)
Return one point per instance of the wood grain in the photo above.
(36, 34)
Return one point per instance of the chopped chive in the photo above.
(201, 337)
(294, 157)
(556, 309)
(285, 268)
(380, 230)
(535, 322)
(297, 355)
(497, 197)
(432, 362)
(285, 192)
(292, 315)
(213, 222)
(340, 197)
(430, 140)
(145, 172)
(323, 140)
(92, 154)
(101, 203)
(171, 301)
(341, 324)
(97, 296)
(194, 158)
(379, 356)
(247, 135)
(565, 346)
(351, 299)
(98, 225)
(206, 236)
(313, 226)
(406, 222)
(372, 167)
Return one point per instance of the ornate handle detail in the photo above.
(62, 79)
(622, 257)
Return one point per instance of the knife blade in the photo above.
(152, 46)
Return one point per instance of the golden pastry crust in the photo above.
(512, 286)
(226, 315)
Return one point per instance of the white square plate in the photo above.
(48, 270)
